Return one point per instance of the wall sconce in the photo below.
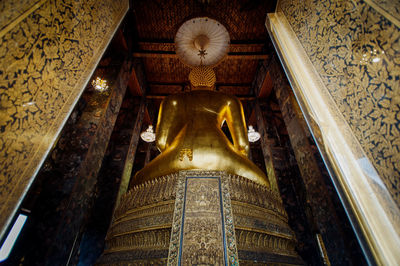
(100, 84)
(253, 135)
(148, 135)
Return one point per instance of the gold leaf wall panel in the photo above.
(356, 52)
(13, 10)
(388, 8)
(46, 59)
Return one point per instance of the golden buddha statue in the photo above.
(189, 136)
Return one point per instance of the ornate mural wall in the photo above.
(48, 51)
(354, 47)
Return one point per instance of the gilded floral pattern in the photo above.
(45, 63)
(388, 8)
(10, 10)
(356, 52)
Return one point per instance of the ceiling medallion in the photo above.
(253, 135)
(148, 135)
(202, 41)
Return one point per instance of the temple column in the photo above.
(101, 125)
(130, 155)
(115, 168)
(322, 210)
(70, 175)
(269, 159)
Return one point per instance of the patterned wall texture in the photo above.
(389, 8)
(356, 51)
(48, 51)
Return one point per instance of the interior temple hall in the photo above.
(199, 132)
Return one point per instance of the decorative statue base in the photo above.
(200, 217)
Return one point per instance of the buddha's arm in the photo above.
(237, 125)
(167, 124)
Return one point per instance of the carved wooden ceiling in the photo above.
(157, 21)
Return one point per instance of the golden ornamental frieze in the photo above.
(354, 48)
(46, 59)
(154, 239)
(148, 221)
(145, 223)
(250, 240)
(146, 211)
(246, 191)
(240, 208)
(139, 195)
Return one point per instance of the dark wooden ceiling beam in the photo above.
(185, 83)
(262, 83)
(162, 96)
(247, 56)
(168, 54)
(220, 84)
(166, 83)
(168, 41)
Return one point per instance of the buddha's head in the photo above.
(202, 78)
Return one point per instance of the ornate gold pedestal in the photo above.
(215, 219)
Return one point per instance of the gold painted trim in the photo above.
(21, 17)
(260, 209)
(134, 217)
(376, 213)
(131, 249)
(256, 216)
(251, 229)
(384, 13)
(322, 249)
(129, 215)
(143, 215)
(143, 229)
(275, 251)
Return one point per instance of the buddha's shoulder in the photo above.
(172, 97)
(207, 93)
(214, 95)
